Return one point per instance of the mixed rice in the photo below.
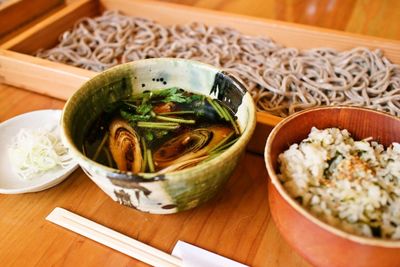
(352, 185)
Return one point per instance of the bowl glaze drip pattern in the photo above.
(175, 191)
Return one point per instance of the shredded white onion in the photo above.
(36, 151)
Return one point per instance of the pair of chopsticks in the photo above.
(112, 239)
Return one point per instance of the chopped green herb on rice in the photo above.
(353, 185)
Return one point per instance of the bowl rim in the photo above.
(303, 211)
(241, 142)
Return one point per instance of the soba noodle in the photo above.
(281, 80)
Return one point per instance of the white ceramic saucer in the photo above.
(10, 182)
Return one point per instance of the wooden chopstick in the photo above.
(112, 239)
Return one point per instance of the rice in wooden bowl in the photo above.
(334, 192)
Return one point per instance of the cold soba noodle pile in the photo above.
(281, 80)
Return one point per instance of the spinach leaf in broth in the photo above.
(169, 129)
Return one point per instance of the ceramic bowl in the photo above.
(318, 242)
(175, 191)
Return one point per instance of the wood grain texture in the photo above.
(58, 80)
(369, 17)
(46, 32)
(332, 247)
(236, 224)
(41, 76)
(14, 14)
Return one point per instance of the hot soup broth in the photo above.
(161, 131)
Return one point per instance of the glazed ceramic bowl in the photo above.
(175, 191)
(318, 242)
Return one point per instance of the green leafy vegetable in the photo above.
(198, 98)
(144, 153)
(216, 107)
(175, 95)
(158, 125)
(182, 112)
(134, 117)
(129, 104)
(149, 135)
(161, 133)
(145, 107)
(150, 160)
(178, 120)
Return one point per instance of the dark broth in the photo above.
(168, 128)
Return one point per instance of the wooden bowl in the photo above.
(318, 242)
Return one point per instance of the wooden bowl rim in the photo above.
(300, 209)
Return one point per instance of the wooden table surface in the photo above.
(370, 17)
(236, 223)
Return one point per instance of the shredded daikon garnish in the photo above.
(36, 151)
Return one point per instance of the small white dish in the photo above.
(10, 182)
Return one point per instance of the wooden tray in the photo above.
(16, 15)
(19, 68)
